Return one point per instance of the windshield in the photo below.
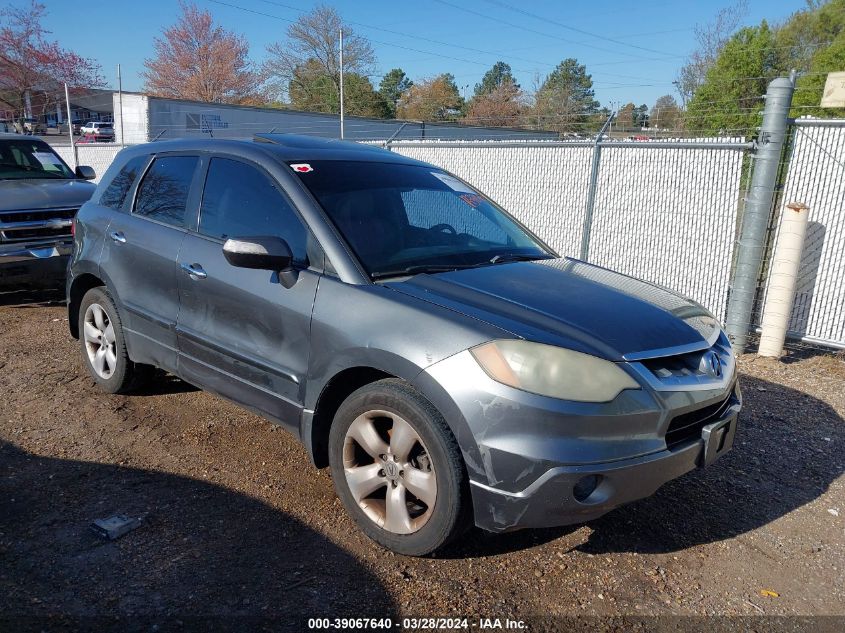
(21, 159)
(404, 219)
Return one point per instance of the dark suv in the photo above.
(442, 360)
(39, 195)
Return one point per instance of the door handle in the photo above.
(118, 236)
(195, 271)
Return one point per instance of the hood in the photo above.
(21, 194)
(573, 304)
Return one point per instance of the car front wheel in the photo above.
(397, 468)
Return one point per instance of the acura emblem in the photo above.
(712, 365)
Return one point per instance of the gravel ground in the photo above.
(238, 524)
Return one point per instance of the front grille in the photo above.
(36, 224)
(687, 426)
(703, 368)
(678, 366)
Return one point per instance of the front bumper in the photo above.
(34, 265)
(540, 462)
(551, 499)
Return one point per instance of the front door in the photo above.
(241, 332)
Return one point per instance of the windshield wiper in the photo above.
(442, 268)
(517, 257)
(422, 268)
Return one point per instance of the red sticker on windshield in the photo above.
(302, 168)
(472, 199)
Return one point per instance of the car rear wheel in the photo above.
(103, 348)
(397, 468)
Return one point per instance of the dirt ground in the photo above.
(237, 524)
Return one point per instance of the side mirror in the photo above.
(85, 172)
(261, 253)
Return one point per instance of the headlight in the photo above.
(552, 371)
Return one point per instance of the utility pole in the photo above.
(70, 129)
(758, 208)
(341, 83)
(120, 105)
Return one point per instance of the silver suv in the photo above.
(446, 365)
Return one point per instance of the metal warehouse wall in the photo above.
(145, 118)
(667, 215)
(135, 116)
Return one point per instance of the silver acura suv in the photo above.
(446, 365)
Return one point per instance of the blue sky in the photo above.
(633, 49)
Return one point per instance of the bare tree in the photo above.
(32, 65)
(666, 114)
(711, 37)
(501, 106)
(312, 45)
(199, 60)
(435, 99)
(625, 117)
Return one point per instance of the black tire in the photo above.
(126, 375)
(451, 511)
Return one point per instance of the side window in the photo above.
(115, 194)
(241, 201)
(163, 193)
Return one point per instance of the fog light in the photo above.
(585, 487)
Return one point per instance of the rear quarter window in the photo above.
(164, 190)
(114, 195)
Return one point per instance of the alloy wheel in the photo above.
(389, 472)
(98, 333)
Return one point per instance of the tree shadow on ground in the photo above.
(204, 558)
(788, 450)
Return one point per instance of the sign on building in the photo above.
(834, 91)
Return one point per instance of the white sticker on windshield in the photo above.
(302, 168)
(453, 183)
(47, 158)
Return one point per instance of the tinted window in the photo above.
(115, 193)
(406, 217)
(241, 201)
(163, 193)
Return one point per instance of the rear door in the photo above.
(242, 333)
(140, 253)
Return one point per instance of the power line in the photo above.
(407, 48)
(418, 37)
(400, 46)
(536, 32)
(547, 20)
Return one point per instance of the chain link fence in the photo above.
(666, 212)
(663, 212)
(815, 177)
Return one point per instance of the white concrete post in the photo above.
(782, 279)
